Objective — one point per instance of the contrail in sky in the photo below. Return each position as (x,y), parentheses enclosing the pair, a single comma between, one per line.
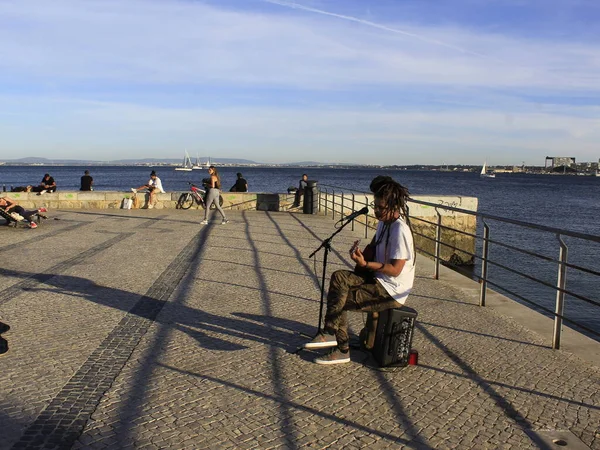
(376,25)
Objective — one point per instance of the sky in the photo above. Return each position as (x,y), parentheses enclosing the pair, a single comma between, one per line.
(276,81)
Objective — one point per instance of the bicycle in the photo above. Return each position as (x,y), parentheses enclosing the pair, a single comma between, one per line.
(197,195)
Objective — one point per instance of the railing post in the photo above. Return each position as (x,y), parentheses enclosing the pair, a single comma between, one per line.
(342,207)
(333,203)
(438,240)
(366,220)
(319,200)
(353,210)
(484,263)
(561,283)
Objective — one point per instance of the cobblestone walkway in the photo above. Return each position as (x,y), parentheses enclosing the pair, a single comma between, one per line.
(144,329)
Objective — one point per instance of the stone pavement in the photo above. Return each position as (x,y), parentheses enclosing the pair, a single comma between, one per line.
(144,329)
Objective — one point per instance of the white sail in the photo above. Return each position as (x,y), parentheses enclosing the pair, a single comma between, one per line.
(484,173)
(187,163)
(198,164)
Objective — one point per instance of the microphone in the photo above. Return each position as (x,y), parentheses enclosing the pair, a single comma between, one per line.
(355,214)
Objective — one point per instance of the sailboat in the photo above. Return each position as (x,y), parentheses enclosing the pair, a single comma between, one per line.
(198,165)
(187,164)
(484,173)
(208,163)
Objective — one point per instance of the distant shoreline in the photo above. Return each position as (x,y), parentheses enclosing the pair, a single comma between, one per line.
(503,170)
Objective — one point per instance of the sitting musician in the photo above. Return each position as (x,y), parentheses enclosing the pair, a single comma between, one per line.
(10,206)
(382,279)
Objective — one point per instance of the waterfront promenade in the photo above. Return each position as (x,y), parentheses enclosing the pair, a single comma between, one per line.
(144,329)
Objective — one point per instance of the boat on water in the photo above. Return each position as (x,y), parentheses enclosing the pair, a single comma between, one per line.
(187,164)
(484,173)
(198,165)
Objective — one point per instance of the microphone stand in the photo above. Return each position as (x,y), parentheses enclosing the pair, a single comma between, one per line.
(326,244)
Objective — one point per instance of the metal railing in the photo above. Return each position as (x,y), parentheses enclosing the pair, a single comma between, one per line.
(341,201)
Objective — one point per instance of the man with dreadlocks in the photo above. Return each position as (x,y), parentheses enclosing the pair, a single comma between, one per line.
(383,277)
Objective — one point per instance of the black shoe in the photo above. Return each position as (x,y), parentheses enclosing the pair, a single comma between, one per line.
(3,346)
(4,327)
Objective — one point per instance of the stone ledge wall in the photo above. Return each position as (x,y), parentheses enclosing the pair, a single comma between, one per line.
(112,200)
(282,202)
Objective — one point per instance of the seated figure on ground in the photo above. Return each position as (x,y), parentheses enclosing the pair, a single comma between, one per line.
(153,186)
(383,276)
(10,206)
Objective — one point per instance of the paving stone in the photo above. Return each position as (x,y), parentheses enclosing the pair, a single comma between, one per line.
(155,332)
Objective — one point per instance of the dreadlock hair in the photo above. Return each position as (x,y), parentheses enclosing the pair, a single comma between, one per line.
(378,182)
(395,197)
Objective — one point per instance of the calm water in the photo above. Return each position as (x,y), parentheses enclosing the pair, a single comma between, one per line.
(568,202)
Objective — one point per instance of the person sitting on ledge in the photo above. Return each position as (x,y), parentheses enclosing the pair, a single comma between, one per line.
(241,185)
(154,185)
(86,182)
(47,185)
(383,276)
(11,207)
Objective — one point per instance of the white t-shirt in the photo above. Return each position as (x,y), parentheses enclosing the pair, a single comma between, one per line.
(398,246)
(157,184)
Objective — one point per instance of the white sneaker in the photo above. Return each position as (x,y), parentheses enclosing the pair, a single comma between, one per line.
(224,221)
(204,222)
(150,206)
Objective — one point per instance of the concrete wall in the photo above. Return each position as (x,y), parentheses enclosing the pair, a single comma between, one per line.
(423,221)
(112,200)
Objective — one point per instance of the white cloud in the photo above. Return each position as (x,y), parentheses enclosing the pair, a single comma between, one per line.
(70,49)
(269,134)
(193,43)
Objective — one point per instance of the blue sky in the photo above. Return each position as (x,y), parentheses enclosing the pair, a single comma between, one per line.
(359,81)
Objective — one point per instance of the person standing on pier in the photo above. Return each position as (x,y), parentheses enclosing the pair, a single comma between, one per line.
(213,195)
(383,276)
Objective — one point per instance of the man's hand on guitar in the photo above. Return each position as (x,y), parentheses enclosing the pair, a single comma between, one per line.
(357,255)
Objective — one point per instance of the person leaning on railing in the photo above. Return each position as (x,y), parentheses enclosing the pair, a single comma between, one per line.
(300,192)
(382,279)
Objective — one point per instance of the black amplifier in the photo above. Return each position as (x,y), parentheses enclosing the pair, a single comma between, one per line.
(394,336)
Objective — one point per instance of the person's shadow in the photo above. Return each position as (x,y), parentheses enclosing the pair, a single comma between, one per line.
(198,324)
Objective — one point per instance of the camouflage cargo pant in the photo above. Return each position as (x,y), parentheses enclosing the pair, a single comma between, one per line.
(352,291)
